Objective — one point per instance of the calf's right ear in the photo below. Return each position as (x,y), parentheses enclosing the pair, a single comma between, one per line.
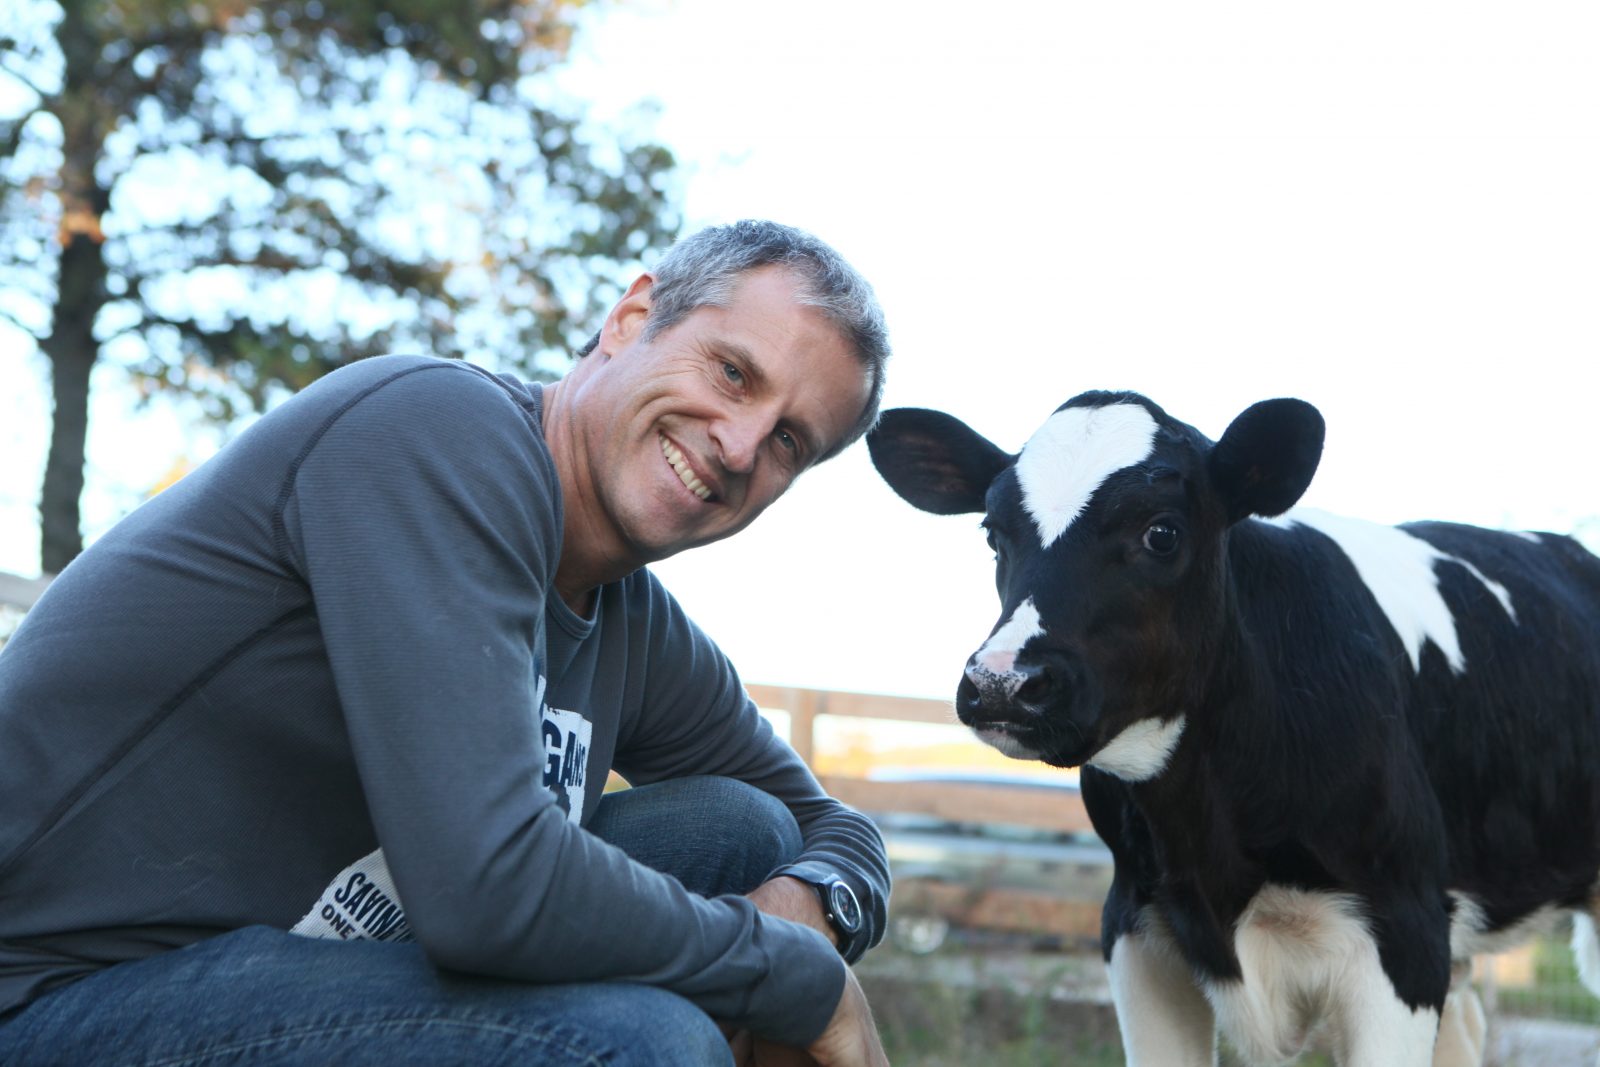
(935,461)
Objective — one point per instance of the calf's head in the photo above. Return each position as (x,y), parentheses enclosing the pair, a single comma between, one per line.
(1110,531)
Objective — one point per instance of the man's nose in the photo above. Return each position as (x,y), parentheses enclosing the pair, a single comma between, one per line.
(738,439)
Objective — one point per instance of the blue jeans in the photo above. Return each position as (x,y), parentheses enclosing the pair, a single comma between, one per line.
(264,996)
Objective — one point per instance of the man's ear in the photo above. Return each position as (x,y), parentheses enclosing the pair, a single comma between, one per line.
(935,461)
(626,321)
(1267,457)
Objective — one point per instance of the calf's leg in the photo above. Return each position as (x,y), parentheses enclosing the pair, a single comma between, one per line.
(1164,1018)
(1375,1025)
(1463,1030)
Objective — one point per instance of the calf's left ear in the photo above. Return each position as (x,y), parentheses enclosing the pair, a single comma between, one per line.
(1267,457)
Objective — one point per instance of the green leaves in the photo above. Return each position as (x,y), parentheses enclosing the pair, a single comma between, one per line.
(277,189)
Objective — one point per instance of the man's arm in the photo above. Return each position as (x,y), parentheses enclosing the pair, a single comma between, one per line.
(421,519)
(694,717)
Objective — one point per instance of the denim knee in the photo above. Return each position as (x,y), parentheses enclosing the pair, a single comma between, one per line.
(715,835)
(659,1028)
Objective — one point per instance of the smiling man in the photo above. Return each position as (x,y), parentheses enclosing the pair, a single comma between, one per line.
(304,760)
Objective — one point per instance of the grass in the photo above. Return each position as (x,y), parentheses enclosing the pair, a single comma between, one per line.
(931,1025)
(968,1004)
(1556,992)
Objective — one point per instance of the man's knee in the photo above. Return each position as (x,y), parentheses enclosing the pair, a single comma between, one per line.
(714,834)
(657,1027)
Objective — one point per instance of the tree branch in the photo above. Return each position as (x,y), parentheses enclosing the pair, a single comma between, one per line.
(21,77)
(182,39)
(18,323)
(13,137)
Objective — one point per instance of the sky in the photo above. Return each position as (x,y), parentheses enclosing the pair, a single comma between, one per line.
(1386,209)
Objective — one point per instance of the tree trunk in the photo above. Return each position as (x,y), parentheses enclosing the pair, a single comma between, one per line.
(72,350)
(80,292)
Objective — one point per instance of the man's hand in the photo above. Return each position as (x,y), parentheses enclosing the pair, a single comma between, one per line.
(790,898)
(850,1038)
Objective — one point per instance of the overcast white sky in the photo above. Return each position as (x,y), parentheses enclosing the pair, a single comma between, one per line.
(1388,209)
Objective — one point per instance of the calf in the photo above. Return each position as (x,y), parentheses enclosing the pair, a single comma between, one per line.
(1327,756)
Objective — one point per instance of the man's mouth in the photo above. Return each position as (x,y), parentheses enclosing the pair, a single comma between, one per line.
(685,473)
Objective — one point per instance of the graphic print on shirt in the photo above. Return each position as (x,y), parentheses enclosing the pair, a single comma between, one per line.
(358,904)
(361,901)
(566,736)
(566,758)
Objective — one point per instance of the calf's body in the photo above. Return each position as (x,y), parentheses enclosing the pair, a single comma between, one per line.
(1328,756)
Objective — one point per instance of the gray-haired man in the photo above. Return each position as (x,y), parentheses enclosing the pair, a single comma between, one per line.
(331,718)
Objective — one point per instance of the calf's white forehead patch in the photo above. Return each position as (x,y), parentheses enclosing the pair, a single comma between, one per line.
(1072,454)
(1399,570)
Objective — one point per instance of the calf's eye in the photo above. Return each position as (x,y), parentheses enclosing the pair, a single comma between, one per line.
(1161,539)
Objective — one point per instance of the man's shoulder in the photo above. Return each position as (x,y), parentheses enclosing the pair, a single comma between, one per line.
(385,402)
(427,374)
(651,609)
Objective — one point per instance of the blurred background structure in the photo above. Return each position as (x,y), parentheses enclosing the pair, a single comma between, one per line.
(1385,208)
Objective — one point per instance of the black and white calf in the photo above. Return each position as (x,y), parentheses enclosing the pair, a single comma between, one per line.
(1327,756)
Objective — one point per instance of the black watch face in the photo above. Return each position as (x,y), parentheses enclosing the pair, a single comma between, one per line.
(845,908)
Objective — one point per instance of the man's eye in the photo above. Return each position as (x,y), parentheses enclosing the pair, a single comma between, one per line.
(733,374)
(787,440)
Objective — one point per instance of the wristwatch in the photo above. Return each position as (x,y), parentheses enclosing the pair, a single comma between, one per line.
(839,906)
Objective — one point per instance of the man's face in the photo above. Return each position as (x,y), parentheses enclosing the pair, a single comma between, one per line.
(693,432)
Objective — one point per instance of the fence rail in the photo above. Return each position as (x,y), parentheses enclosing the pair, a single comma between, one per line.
(1069,910)
(19,592)
(954,801)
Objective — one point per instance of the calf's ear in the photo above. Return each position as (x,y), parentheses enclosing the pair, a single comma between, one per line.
(935,461)
(1267,457)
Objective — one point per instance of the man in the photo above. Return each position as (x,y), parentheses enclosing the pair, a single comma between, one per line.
(296,761)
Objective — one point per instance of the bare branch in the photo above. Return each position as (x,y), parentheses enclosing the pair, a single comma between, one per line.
(18,323)
(181,39)
(21,77)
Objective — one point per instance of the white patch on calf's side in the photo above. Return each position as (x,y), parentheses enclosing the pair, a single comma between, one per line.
(1069,457)
(1470,934)
(1586,951)
(1141,751)
(1501,593)
(1164,1018)
(1398,569)
(1306,956)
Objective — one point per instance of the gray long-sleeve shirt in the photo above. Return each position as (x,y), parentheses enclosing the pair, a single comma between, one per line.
(339,636)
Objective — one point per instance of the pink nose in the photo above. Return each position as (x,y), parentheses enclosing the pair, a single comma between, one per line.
(999,661)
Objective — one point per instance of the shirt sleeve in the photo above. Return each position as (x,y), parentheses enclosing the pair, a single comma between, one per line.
(698,719)
(425,519)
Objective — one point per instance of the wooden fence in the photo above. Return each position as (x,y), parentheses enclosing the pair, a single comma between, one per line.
(1069,911)
(18,592)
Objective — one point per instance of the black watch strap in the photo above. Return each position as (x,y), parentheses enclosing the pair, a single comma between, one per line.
(840,906)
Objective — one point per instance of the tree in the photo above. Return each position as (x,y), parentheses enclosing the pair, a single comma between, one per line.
(230,198)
